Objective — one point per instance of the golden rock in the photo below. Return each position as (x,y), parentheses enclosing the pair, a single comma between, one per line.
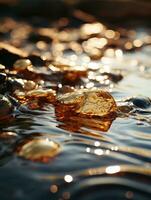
(39,150)
(92,103)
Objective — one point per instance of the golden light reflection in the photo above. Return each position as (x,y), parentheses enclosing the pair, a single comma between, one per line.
(68,178)
(94,28)
(41,45)
(97,143)
(88,149)
(137,43)
(114,148)
(54,188)
(129,195)
(109,52)
(113,169)
(110,34)
(119,53)
(98,152)
(107,152)
(66,195)
(128,45)
(90,85)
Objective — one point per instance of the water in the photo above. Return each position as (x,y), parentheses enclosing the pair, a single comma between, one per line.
(91,164)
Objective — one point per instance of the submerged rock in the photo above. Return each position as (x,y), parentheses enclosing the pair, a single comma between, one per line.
(40,150)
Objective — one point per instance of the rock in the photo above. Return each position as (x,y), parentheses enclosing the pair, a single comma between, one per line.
(37,93)
(9,54)
(5,135)
(3,77)
(6,107)
(141,102)
(29,85)
(92,103)
(39,150)
(13,84)
(22,64)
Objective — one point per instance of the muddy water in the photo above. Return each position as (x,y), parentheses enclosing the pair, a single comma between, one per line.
(89,163)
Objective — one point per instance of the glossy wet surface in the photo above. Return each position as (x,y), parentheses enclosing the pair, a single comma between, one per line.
(85,162)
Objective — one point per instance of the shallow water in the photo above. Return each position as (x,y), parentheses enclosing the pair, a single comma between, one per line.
(91,164)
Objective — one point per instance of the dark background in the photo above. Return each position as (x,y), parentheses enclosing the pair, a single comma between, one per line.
(107,9)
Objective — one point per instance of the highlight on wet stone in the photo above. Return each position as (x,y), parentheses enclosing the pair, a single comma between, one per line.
(38,150)
(6,107)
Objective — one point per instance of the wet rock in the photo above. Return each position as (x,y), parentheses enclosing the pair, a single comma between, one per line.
(39,150)
(2,68)
(125,109)
(9,54)
(13,84)
(92,103)
(94,54)
(29,85)
(2,78)
(6,107)
(36,99)
(37,93)
(5,135)
(113,77)
(22,64)
(141,102)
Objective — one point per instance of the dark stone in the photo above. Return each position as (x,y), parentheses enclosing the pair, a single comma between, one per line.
(141,102)
(13,84)
(5,106)
(2,78)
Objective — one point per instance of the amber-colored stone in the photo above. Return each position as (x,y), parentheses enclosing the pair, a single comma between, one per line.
(92,103)
(36,99)
(38,150)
